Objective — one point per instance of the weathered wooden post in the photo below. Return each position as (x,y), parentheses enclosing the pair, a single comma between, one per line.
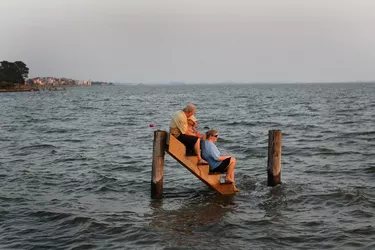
(160,139)
(274,157)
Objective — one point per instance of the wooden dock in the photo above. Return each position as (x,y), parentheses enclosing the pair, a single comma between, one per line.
(178,151)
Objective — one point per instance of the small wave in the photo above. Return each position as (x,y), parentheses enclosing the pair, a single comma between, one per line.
(73,140)
(126,157)
(337,198)
(258,152)
(74,220)
(316,151)
(59,131)
(102,179)
(359,213)
(370,169)
(81,246)
(361,133)
(70,159)
(114,124)
(367,230)
(108,188)
(309,108)
(287,151)
(304,127)
(250,124)
(50,216)
(5,139)
(87,108)
(14,199)
(332,152)
(38,146)
(132,162)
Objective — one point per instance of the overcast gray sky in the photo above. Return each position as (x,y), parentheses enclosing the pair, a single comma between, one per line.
(192,40)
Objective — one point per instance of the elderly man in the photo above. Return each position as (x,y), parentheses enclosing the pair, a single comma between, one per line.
(179,129)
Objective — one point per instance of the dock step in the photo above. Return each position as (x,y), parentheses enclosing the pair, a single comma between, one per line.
(178,151)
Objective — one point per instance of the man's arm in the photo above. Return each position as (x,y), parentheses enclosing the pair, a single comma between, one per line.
(189,133)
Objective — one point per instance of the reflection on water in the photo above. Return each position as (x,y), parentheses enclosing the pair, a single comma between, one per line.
(188,220)
(275,202)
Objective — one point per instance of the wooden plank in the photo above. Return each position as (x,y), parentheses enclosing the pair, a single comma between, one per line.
(178,151)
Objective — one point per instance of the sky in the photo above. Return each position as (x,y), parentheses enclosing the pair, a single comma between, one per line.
(192,41)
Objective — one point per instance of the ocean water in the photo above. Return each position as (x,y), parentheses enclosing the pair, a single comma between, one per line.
(75,168)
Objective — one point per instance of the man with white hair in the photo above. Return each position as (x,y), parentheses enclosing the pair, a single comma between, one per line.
(179,129)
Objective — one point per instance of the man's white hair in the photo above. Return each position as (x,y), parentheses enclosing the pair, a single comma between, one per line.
(189,108)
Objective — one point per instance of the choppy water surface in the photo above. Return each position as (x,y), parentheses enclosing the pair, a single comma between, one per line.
(75,169)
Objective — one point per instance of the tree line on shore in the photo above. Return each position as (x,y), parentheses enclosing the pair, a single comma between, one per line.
(12,73)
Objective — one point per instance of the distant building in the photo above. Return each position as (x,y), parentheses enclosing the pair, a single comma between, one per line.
(53,81)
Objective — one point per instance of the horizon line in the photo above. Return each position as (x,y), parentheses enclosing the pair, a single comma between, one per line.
(243,83)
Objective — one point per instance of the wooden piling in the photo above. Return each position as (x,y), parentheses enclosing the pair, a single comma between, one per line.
(160,138)
(274,157)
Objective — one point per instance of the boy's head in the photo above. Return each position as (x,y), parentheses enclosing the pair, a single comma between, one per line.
(192,120)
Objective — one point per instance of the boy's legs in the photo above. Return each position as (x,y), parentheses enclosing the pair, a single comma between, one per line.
(230,170)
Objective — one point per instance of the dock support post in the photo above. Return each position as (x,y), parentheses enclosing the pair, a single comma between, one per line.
(274,157)
(157,174)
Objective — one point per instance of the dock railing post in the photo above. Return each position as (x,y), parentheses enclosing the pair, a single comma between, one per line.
(274,157)
(157,174)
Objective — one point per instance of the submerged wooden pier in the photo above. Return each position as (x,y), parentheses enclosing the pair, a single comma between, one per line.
(177,150)
(169,144)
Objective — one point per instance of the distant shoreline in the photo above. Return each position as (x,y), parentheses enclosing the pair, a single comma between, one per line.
(32,89)
(242,83)
(21,89)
